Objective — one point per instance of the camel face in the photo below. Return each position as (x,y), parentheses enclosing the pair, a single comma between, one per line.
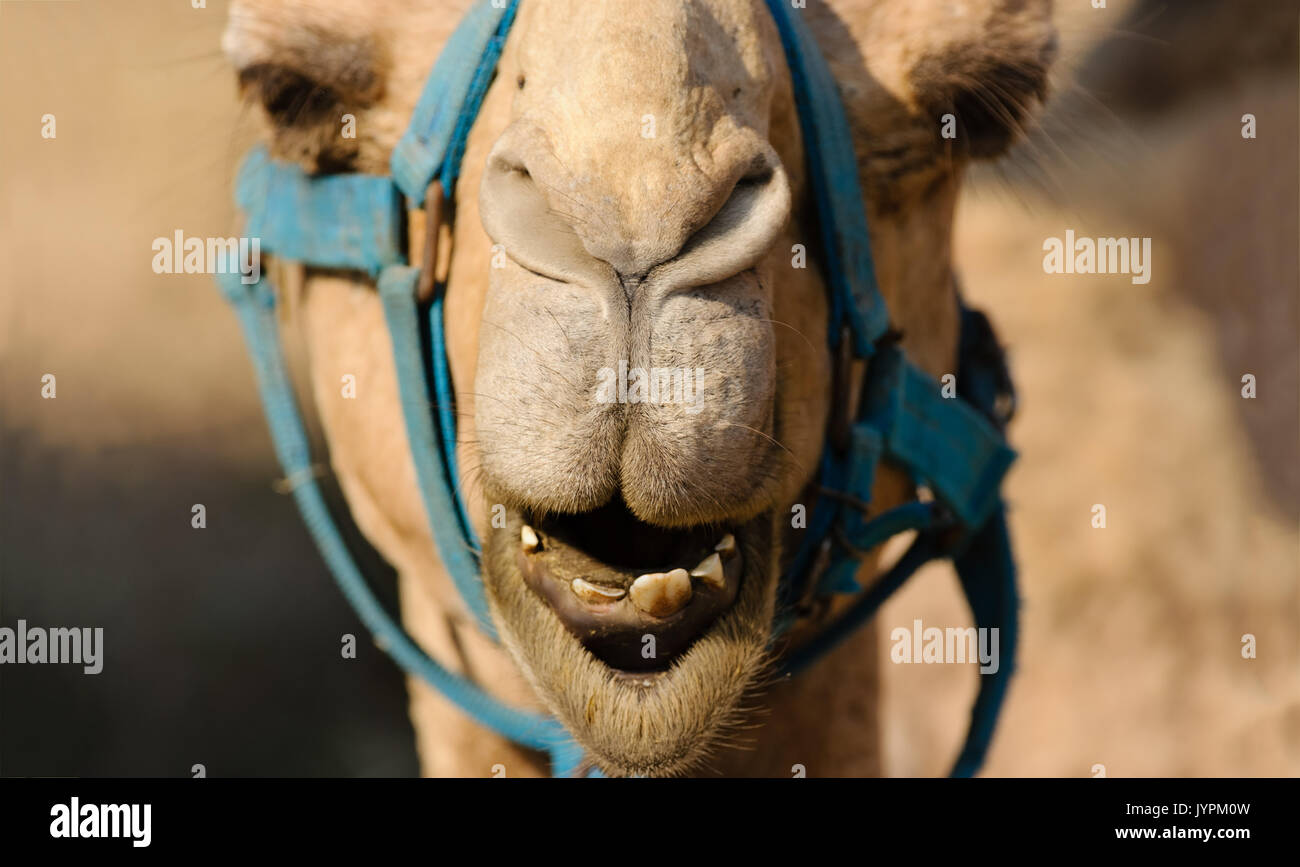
(636,322)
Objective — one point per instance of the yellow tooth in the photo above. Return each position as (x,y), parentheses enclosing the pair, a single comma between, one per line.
(710,571)
(726,545)
(596,594)
(528,536)
(660,594)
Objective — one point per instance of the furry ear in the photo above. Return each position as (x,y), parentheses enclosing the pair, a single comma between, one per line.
(968,84)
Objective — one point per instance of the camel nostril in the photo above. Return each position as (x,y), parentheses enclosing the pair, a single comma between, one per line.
(595,228)
(742,231)
(517,211)
(757,177)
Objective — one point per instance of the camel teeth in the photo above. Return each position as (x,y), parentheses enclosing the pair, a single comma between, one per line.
(660,594)
(528,537)
(710,571)
(596,594)
(726,545)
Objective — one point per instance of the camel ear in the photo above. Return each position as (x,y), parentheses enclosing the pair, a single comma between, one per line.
(974,80)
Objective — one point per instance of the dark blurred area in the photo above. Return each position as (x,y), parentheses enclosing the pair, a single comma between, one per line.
(222,645)
(1168,50)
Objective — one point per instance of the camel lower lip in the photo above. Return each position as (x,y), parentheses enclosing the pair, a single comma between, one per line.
(631,622)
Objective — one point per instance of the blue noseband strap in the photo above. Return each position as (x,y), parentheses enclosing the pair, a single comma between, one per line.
(952,445)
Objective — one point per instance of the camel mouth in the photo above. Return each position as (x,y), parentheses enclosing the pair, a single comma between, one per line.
(643,694)
(635,595)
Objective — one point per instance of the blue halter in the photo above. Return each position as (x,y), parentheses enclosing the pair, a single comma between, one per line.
(952,447)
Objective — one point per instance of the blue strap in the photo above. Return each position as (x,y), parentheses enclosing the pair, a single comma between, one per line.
(865,448)
(833,173)
(987,570)
(255,305)
(923,550)
(843,570)
(435,138)
(900,519)
(444,404)
(952,445)
(436,480)
(333,221)
(944,442)
(987,573)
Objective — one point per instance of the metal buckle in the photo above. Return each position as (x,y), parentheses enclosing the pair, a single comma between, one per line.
(433,199)
(809,606)
(840,428)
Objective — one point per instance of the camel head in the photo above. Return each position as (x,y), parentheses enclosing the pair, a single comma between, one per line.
(635,313)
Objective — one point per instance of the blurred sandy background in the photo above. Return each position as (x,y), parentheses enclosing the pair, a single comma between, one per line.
(222,644)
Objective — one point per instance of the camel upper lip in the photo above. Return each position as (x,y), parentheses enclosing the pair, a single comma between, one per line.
(635,596)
